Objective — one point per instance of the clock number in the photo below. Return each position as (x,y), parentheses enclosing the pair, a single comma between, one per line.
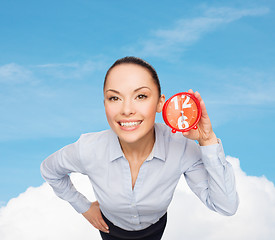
(185,103)
(182,124)
(175,100)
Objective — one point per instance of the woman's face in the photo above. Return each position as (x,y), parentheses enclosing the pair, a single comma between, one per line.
(131,100)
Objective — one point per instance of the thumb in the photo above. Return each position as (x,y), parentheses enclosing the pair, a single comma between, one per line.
(185,134)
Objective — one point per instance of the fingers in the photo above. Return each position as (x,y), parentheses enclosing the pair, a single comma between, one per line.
(205,135)
(190,91)
(100,224)
(94,216)
(196,94)
(203,109)
(104,225)
(186,134)
(191,134)
(202,104)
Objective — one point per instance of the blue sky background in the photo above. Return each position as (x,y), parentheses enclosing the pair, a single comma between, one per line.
(54,55)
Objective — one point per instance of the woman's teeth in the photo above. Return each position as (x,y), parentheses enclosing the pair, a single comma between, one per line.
(129,124)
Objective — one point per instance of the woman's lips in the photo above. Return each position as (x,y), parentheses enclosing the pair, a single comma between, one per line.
(129,123)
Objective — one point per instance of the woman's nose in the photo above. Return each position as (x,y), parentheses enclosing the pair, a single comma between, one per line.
(127,108)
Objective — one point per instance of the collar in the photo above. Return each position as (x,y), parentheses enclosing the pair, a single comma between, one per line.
(159,146)
(115,150)
(158,151)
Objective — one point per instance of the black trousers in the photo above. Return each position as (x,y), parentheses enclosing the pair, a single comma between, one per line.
(153,232)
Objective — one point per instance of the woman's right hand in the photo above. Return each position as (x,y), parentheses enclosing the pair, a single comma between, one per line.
(94,216)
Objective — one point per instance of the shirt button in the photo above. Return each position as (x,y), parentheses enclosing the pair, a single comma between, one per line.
(135,216)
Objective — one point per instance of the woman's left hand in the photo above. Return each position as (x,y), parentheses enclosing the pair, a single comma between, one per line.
(204,134)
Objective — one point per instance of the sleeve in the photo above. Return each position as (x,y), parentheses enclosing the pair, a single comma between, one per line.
(212,178)
(56,169)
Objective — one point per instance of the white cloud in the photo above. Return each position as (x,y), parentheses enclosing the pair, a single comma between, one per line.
(15,74)
(72,70)
(39,214)
(187,31)
(238,86)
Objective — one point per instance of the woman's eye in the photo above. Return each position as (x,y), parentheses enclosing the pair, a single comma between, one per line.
(113,99)
(141,96)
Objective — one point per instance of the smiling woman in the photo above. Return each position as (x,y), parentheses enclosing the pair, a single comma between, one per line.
(135,166)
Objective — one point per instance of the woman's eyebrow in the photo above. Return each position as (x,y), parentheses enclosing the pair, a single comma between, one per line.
(112,90)
(136,90)
(142,88)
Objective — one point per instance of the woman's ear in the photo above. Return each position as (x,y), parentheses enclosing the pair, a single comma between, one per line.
(161,103)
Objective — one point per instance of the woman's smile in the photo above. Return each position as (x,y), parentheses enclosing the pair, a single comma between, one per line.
(129,123)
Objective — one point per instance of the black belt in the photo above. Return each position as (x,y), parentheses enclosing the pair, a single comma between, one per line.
(120,233)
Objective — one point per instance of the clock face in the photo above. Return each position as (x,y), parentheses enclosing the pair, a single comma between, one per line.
(182,112)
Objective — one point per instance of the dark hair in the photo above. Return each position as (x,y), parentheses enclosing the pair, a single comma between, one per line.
(137,61)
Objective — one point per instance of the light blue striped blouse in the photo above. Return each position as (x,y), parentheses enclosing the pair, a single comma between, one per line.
(99,156)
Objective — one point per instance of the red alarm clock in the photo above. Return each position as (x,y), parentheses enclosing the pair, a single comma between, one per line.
(182,112)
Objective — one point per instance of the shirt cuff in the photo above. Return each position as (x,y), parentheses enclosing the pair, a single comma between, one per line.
(81,206)
(213,155)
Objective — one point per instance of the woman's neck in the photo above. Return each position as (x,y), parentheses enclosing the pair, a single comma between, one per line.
(140,150)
